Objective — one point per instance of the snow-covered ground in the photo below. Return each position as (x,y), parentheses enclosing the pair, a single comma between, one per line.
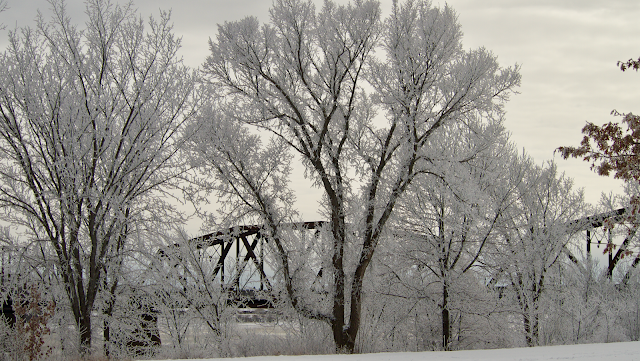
(622,351)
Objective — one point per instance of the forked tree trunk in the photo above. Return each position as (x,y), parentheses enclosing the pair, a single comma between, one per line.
(531,326)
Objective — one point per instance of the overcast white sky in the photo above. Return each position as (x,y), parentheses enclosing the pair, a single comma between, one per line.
(568,50)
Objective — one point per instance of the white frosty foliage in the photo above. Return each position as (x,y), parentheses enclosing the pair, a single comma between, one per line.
(91,121)
(310,79)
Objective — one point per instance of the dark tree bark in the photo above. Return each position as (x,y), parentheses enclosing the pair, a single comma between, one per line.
(301,78)
(90,123)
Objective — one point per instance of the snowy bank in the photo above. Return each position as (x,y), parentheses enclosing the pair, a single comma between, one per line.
(620,351)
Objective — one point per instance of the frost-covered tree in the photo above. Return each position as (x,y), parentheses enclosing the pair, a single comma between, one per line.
(534,234)
(182,276)
(90,123)
(312,80)
(446,222)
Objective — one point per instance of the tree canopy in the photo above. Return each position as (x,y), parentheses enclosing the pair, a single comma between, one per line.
(90,123)
(362,101)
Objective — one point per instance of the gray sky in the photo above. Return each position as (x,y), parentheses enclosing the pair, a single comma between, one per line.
(568,50)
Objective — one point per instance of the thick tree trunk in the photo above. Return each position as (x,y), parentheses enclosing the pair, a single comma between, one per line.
(446,327)
(531,327)
(106,328)
(85,332)
(344,345)
(340,335)
(82,306)
(527,329)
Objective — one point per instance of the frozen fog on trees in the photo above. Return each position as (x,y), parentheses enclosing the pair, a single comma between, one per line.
(534,234)
(445,222)
(361,101)
(430,213)
(91,122)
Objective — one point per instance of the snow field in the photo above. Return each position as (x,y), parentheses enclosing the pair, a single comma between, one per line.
(620,351)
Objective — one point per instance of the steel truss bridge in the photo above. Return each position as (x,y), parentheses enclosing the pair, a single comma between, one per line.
(239,252)
(589,226)
(242,248)
(247,245)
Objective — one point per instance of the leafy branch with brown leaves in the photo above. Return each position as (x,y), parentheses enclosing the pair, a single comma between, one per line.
(629,64)
(610,148)
(34,314)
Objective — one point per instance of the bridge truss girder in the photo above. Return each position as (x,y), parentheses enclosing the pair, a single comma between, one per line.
(250,245)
